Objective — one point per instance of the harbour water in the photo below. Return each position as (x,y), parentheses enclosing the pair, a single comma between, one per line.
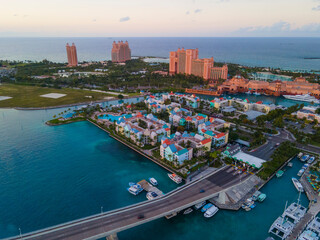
(50,175)
(285,53)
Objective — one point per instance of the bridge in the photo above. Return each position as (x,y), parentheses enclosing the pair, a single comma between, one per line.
(105,224)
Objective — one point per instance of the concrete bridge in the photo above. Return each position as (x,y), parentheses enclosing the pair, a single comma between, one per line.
(108,223)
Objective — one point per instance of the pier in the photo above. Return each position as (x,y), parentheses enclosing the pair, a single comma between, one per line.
(149,188)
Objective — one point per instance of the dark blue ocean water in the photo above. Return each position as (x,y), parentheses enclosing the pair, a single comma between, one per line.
(50,175)
(286,53)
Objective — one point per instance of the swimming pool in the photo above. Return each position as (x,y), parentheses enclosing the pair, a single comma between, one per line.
(266,75)
(114,118)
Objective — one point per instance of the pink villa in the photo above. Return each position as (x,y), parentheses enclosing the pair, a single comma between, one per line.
(72,55)
(188,62)
(120,52)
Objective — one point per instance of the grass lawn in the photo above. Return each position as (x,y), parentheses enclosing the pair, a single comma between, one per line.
(29,96)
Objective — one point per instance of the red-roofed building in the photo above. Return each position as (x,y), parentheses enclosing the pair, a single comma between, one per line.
(129,106)
(259,102)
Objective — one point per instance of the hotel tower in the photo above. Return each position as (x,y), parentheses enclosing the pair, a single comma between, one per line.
(120,52)
(72,55)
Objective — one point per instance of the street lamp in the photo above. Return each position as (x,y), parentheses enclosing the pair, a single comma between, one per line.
(101,209)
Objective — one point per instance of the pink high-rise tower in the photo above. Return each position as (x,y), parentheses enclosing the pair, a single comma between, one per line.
(72,55)
(120,52)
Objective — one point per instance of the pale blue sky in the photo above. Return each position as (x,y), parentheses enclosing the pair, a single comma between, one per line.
(160,18)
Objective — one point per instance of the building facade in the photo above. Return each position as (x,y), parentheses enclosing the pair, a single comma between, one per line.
(120,52)
(186,61)
(72,55)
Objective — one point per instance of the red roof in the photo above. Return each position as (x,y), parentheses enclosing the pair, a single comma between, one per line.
(151,96)
(205,141)
(129,106)
(213,101)
(171,93)
(221,98)
(193,95)
(211,119)
(167,141)
(167,129)
(188,119)
(259,102)
(199,118)
(202,130)
(220,135)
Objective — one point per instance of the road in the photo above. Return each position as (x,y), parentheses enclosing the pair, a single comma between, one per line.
(104,224)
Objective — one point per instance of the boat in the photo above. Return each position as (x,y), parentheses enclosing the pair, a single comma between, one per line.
(152,195)
(248,92)
(311,159)
(206,207)
(298,185)
(199,205)
(257,94)
(135,189)
(248,204)
(153,181)
(300,172)
(302,98)
(279,173)
(175,178)
(304,158)
(187,211)
(308,235)
(211,211)
(312,231)
(256,195)
(300,154)
(305,166)
(262,197)
(290,164)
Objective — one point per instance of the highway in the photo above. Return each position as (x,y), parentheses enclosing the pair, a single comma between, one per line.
(104,224)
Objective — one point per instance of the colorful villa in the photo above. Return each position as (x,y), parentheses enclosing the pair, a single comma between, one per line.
(120,52)
(300,85)
(309,113)
(186,61)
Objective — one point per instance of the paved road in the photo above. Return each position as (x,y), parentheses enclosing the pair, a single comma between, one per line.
(99,226)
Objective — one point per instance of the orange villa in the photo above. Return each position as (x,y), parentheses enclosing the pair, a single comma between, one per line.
(188,62)
(300,85)
(72,55)
(120,52)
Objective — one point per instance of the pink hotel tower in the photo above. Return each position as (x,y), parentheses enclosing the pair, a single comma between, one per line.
(120,52)
(72,55)
(188,62)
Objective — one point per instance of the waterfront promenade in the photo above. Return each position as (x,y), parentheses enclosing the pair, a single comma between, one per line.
(104,224)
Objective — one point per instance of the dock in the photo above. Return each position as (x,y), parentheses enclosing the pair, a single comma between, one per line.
(150,188)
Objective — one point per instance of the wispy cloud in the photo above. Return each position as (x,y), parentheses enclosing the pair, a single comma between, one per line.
(187,12)
(124,19)
(317,8)
(198,10)
(94,20)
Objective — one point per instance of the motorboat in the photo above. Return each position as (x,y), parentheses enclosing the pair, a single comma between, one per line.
(199,205)
(187,211)
(257,94)
(153,181)
(305,166)
(302,98)
(248,92)
(256,195)
(152,195)
(279,173)
(301,171)
(290,164)
(206,207)
(135,189)
(300,154)
(304,158)
(297,185)
(175,178)
(262,197)
(211,212)
(311,159)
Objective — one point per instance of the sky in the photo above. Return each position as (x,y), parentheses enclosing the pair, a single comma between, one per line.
(160,18)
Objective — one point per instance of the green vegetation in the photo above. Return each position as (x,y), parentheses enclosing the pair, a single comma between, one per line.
(60,122)
(285,151)
(29,96)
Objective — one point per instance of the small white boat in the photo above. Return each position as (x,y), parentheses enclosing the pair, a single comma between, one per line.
(304,158)
(305,166)
(153,181)
(152,195)
(257,94)
(300,154)
(311,159)
(290,164)
(199,205)
(175,178)
(206,207)
(187,211)
(300,172)
(248,92)
(135,189)
(211,212)
(298,185)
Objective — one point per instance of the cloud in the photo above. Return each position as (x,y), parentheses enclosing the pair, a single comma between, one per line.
(15,15)
(124,19)
(187,12)
(316,8)
(94,20)
(198,10)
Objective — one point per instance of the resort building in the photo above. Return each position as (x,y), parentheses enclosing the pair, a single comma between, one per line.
(120,52)
(186,61)
(72,55)
(300,85)
(309,113)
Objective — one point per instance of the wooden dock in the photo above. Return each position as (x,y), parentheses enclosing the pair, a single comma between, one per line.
(150,188)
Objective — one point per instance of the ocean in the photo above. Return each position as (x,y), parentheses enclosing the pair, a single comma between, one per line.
(301,54)
(50,175)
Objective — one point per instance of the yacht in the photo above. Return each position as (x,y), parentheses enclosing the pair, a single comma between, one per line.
(199,205)
(312,231)
(256,195)
(300,154)
(305,158)
(135,189)
(153,181)
(187,211)
(311,159)
(152,195)
(302,98)
(257,94)
(305,166)
(211,211)
(262,197)
(298,185)
(248,92)
(308,235)
(206,207)
(300,172)
(175,178)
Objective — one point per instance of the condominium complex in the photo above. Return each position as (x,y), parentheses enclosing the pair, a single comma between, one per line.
(120,52)
(186,61)
(72,55)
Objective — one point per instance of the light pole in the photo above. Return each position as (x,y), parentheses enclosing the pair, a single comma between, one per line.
(20,233)
(101,209)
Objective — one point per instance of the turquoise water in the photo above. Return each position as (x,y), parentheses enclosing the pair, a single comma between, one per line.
(50,175)
(114,118)
(266,76)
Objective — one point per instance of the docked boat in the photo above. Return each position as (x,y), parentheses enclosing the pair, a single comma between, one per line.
(256,195)
(248,204)
(311,159)
(301,171)
(199,205)
(300,154)
(248,92)
(308,235)
(206,207)
(153,181)
(290,164)
(302,98)
(257,94)
(135,188)
(175,178)
(152,195)
(304,158)
(312,231)
(279,173)
(187,211)
(262,197)
(305,166)
(211,212)
(297,185)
